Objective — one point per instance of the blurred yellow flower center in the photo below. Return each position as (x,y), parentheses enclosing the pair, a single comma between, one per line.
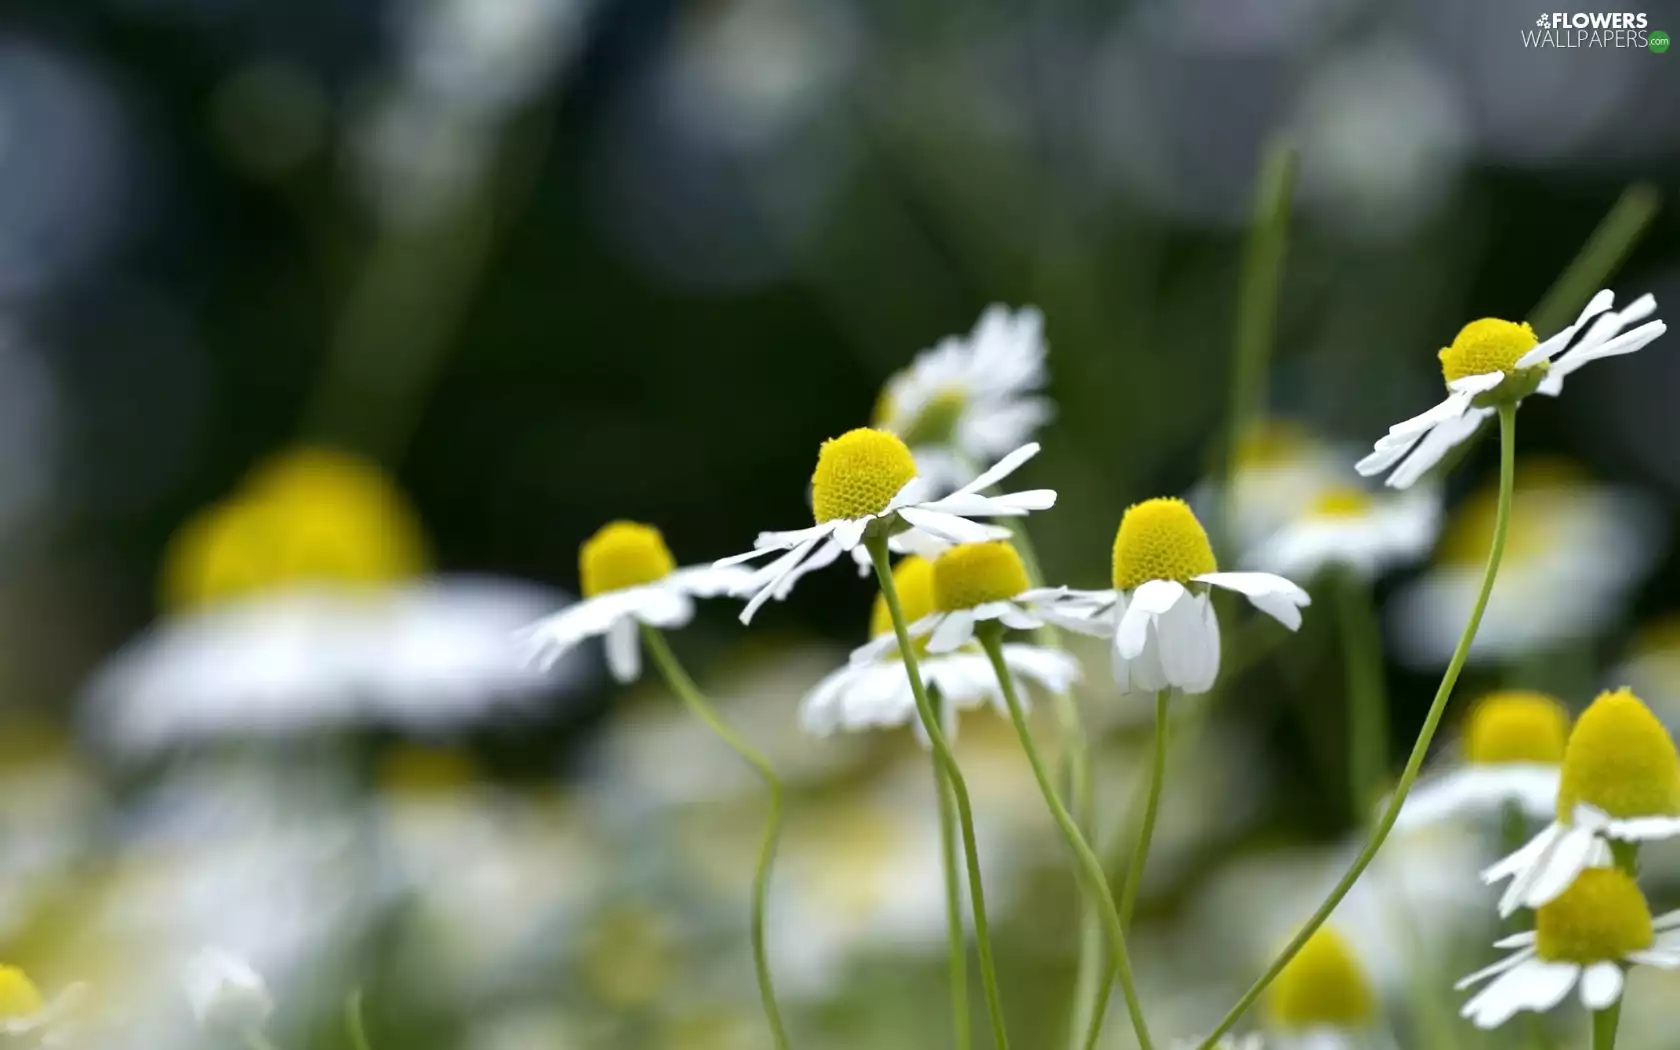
(1488,345)
(1341,501)
(18,995)
(936,423)
(623,554)
(858,474)
(1547,494)
(419,772)
(976,573)
(913,579)
(1324,985)
(1620,759)
(1601,917)
(1516,726)
(1273,443)
(1160,539)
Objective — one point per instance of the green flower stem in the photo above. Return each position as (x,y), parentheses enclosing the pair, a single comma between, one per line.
(353,1022)
(1367,698)
(1096,880)
(877,547)
(1603,253)
(1437,708)
(1140,854)
(1604,1023)
(956,936)
(684,687)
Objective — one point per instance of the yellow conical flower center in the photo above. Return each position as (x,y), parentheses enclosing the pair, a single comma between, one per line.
(1323,985)
(1601,917)
(1160,539)
(1488,345)
(623,554)
(1341,501)
(913,579)
(18,995)
(976,573)
(1620,759)
(858,474)
(1516,726)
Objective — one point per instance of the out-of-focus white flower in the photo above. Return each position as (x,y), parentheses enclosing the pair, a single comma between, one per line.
(1351,529)
(1651,668)
(1282,468)
(1572,552)
(227,996)
(1323,999)
(1513,755)
(971,398)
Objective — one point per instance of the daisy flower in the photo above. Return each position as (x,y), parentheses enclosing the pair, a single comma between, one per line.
(1345,527)
(227,996)
(1513,754)
(1620,782)
(874,691)
(1586,936)
(1493,362)
(866,484)
(1573,551)
(1323,999)
(971,398)
(1282,467)
(628,579)
(1165,632)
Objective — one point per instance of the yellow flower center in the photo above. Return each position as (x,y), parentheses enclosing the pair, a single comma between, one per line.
(1488,345)
(1160,539)
(1601,917)
(1323,985)
(623,554)
(1341,501)
(1620,759)
(18,995)
(858,474)
(1273,443)
(913,579)
(976,573)
(936,423)
(419,772)
(1516,726)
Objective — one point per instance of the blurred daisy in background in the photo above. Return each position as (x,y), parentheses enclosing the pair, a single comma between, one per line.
(1512,756)
(873,690)
(228,997)
(299,605)
(1573,552)
(1323,999)
(1491,362)
(1345,527)
(29,1018)
(1651,668)
(628,579)
(972,398)
(1587,936)
(1282,467)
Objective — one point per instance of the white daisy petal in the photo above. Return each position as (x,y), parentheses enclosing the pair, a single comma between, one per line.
(1571,855)
(624,650)
(1436,444)
(1509,962)
(1626,343)
(1535,985)
(955,630)
(1601,985)
(1659,957)
(1148,601)
(1001,469)
(1643,829)
(1476,384)
(772,575)
(948,527)
(1273,595)
(1517,940)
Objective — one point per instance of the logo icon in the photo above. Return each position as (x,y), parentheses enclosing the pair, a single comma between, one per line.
(1544,21)
(1658,41)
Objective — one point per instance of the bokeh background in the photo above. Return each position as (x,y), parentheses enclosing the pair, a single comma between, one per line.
(545,263)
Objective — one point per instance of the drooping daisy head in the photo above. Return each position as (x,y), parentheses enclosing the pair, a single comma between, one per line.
(1620,760)
(1160,539)
(1587,935)
(622,554)
(1323,987)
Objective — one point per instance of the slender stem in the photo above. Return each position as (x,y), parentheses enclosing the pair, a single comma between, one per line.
(353,1022)
(877,547)
(1095,879)
(956,936)
(1140,854)
(1609,244)
(1437,708)
(684,687)
(1604,1023)
(1257,296)
(1367,697)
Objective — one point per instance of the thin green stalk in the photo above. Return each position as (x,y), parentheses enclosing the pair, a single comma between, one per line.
(1604,1023)
(1257,298)
(1603,253)
(684,687)
(956,938)
(353,1022)
(877,547)
(1096,880)
(1437,708)
(1140,854)
(1367,695)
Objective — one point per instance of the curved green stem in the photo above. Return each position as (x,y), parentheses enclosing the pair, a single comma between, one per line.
(684,687)
(956,938)
(1367,700)
(1134,868)
(353,1022)
(1096,880)
(1437,708)
(877,547)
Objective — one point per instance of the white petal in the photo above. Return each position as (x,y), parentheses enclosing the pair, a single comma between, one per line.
(1016,618)
(955,630)
(1002,468)
(1601,985)
(1626,343)
(1549,347)
(772,575)
(1451,408)
(1385,456)
(1480,383)
(1188,640)
(1643,829)
(1668,920)
(849,531)
(709,581)
(1555,873)
(1517,940)
(1272,595)
(1053,670)
(1510,962)
(1661,958)
(1523,857)
(948,527)
(1535,985)
(1148,601)
(1436,444)
(624,652)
